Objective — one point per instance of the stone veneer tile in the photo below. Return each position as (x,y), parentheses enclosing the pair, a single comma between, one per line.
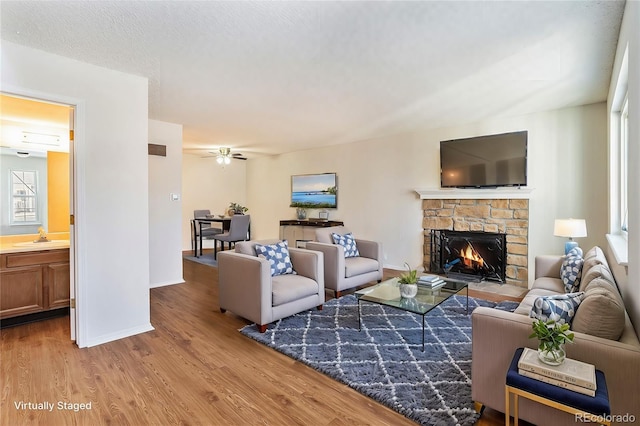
(431,204)
(472,211)
(502,213)
(519,204)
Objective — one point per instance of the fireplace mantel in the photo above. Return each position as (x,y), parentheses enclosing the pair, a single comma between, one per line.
(503,193)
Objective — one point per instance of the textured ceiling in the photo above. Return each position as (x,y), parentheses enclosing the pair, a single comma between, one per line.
(273,77)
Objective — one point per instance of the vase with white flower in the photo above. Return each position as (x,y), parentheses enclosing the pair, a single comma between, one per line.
(552,336)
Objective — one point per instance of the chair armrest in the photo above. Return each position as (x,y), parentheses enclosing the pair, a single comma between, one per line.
(244,285)
(308,263)
(370,249)
(334,267)
(548,266)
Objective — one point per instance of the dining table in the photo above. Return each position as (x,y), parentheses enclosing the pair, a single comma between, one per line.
(197,224)
(196,227)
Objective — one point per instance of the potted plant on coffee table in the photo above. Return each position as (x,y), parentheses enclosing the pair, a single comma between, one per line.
(552,337)
(408,283)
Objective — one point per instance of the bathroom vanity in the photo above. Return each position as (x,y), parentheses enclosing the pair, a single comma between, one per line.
(34,279)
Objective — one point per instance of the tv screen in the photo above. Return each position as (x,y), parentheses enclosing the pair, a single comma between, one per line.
(318,191)
(484,161)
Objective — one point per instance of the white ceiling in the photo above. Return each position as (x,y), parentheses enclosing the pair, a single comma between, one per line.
(273,77)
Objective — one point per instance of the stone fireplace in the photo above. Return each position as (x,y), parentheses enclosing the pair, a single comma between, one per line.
(508,216)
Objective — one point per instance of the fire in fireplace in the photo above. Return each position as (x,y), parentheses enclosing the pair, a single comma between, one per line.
(475,256)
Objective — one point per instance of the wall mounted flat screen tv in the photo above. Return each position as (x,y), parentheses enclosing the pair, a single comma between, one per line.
(316,191)
(484,161)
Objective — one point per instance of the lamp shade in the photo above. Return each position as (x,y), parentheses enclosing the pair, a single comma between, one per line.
(571,228)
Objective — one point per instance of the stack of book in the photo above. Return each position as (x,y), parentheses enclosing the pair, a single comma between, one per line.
(572,375)
(431,281)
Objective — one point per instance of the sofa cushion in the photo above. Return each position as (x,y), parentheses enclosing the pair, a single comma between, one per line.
(601,312)
(595,256)
(560,307)
(527,302)
(547,283)
(359,265)
(596,271)
(571,269)
(278,257)
(348,242)
(288,288)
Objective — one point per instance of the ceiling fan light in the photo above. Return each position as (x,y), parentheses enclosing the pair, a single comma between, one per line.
(227,160)
(220,159)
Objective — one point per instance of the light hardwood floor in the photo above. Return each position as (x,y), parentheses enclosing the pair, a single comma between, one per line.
(195,368)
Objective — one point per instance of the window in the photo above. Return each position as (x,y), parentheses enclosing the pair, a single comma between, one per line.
(624,175)
(619,163)
(24,197)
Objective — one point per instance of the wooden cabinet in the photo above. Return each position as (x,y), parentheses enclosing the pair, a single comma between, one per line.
(58,282)
(32,282)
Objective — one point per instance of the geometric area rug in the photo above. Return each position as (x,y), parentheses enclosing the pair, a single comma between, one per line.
(385,360)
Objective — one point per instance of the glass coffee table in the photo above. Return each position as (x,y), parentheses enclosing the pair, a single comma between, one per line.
(387,293)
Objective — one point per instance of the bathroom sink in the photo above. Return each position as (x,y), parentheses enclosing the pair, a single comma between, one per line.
(48,244)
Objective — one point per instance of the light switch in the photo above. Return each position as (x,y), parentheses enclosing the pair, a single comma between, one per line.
(175,197)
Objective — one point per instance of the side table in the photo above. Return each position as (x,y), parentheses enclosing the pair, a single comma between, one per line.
(590,408)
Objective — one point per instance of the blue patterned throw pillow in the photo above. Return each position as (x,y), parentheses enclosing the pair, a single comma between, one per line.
(348,242)
(571,270)
(278,257)
(561,308)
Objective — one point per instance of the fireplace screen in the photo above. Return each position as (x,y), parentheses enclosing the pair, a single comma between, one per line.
(468,255)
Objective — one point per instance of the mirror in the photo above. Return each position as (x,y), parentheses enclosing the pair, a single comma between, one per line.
(34,166)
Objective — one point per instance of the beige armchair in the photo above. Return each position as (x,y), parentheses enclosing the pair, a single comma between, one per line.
(342,273)
(248,289)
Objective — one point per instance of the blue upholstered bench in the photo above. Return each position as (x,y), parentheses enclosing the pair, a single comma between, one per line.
(591,408)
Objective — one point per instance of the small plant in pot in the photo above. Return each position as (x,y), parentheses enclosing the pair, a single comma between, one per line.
(235,208)
(552,337)
(408,282)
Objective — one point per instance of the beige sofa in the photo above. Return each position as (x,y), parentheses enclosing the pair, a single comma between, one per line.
(604,337)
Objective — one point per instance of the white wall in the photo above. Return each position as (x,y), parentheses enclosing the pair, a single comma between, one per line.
(377,179)
(630,37)
(208,185)
(165,224)
(112,211)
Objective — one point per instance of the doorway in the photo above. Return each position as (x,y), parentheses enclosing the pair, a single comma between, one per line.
(37,167)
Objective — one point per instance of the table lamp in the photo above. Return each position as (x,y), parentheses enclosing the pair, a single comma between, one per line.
(570,228)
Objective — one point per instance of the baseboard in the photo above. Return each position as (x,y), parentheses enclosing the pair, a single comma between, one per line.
(166,283)
(106,338)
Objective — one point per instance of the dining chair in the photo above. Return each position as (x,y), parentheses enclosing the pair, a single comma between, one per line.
(207,230)
(238,231)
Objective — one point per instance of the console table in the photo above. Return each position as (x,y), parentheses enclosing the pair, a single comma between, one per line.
(303,230)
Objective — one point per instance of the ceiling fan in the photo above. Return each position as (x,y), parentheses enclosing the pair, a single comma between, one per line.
(224,155)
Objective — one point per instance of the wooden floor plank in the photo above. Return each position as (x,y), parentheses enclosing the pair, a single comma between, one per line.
(194,368)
